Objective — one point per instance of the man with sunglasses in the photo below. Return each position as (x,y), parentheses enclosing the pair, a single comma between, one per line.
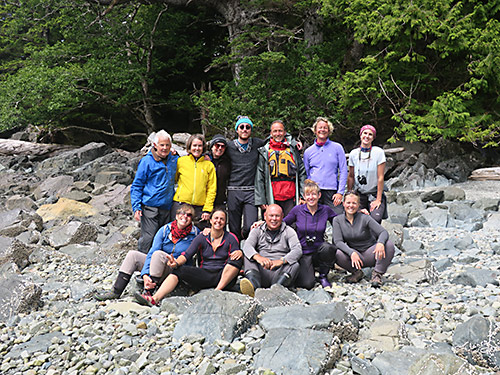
(240,189)
(222,164)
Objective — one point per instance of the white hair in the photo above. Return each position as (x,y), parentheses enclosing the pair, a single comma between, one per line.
(161,134)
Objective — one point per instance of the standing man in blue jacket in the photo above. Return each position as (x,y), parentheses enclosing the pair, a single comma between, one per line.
(152,191)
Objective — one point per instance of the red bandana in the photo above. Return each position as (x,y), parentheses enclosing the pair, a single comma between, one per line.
(177,233)
(277,145)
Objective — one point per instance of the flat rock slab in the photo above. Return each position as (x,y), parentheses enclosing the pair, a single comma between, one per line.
(275,296)
(64,208)
(71,233)
(476,276)
(36,344)
(17,295)
(417,271)
(297,351)
(218,315)
(319,316)
(441,364)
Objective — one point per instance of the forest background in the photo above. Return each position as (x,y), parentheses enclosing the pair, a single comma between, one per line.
(417,70)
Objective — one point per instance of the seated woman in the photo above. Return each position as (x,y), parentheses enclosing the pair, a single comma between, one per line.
(196,181)
(361,242)
(366,174)
(220,260)
(310,220)
(169,242)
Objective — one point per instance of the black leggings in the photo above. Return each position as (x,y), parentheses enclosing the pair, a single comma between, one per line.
(202,278)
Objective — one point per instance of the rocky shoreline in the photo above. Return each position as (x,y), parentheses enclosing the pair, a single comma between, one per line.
(66,225)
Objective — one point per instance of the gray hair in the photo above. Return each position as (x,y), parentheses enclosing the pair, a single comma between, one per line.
(161,134)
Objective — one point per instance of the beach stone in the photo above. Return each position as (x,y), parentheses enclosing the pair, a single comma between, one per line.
(435,217)
(176,305)
(85,254)
(464,212)
(64,209)
(441,364)
(315,296)
(16,221)
(53,186)
(39,343)
(398,362)
(115,197)
(443,264)
(486,204)
(445,247)
(433,195)
(71,233)
(21,202)
(297,351)
(492,223)
(276,295)
(77,195)
(218,316)
(362,367)
(385,335)
(398,214)
(476,276)
(322,316)
(453,193)
(417,271)
(478,341)
(395,232)
(18,295)
(411,247)
(17,252)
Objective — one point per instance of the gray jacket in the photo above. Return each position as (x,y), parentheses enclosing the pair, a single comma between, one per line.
(263,186)
(286,244)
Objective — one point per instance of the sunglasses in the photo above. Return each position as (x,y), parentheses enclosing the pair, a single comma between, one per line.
(245,127)
(220,145)
(182,213)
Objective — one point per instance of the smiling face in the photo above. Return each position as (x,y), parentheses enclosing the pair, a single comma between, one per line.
(312,197)
(184,217)
(366,138)
(244,131)
(196,148)
(322,131)
(273,216)
(218,220)
(278,132)
(162,147)
(218,150)
(351,204)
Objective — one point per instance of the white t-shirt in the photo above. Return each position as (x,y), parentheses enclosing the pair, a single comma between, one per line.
(365,164)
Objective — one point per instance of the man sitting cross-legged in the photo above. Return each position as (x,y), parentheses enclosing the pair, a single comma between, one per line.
(272,251)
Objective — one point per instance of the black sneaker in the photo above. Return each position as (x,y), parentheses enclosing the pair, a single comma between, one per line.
(106,296)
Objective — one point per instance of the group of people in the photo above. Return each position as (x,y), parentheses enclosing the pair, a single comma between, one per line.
(298,197)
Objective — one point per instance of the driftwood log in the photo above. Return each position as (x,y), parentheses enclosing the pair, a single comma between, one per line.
(485,174)
(15,147)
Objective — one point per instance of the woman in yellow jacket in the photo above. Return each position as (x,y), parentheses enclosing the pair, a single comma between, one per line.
(196,181)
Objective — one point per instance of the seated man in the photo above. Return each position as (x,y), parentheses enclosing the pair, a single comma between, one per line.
(220,260)
(272,251)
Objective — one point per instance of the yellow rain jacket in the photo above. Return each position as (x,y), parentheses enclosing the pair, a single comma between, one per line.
(196,182)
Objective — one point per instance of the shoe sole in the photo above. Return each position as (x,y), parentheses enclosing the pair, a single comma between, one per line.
(142,301)
(246,287)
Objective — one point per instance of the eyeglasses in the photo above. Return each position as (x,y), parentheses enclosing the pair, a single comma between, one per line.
(219,145)
(182,213)
(245,127)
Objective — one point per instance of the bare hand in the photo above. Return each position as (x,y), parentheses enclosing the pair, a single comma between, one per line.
(206,157)
(173,151)
(235,255)
(375,204)
(337,199)
(302,201)
(206,231)
(379,251)
(364,211)
(137,215)
(263,207)
(171,261)
(356,261)
(148,282)
(205,216)
(256,224)
(299,145)
(277,263)
(263,261)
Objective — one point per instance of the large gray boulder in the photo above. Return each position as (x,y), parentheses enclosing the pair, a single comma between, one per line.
(478,341)
(71,233)
(16,252)
(276,295)
(53,187)
(297,351)
(17,295)
(476,276)
(218,316)
(16,221)
(333,316)
(441,364)
(415,270)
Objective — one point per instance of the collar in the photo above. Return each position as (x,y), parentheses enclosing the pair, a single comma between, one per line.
(366,149)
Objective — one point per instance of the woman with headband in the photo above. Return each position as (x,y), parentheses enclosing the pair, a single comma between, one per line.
(366,174)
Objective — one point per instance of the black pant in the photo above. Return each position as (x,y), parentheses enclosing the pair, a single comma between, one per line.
(241,204)
(152,219)
(323,258)
(326,198)
(378,214)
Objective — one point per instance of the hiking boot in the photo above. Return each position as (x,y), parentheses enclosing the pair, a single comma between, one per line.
(376,279)
(284,280)
(323,280)
(145,299)
(246,287)
(104,296)
(354,277)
